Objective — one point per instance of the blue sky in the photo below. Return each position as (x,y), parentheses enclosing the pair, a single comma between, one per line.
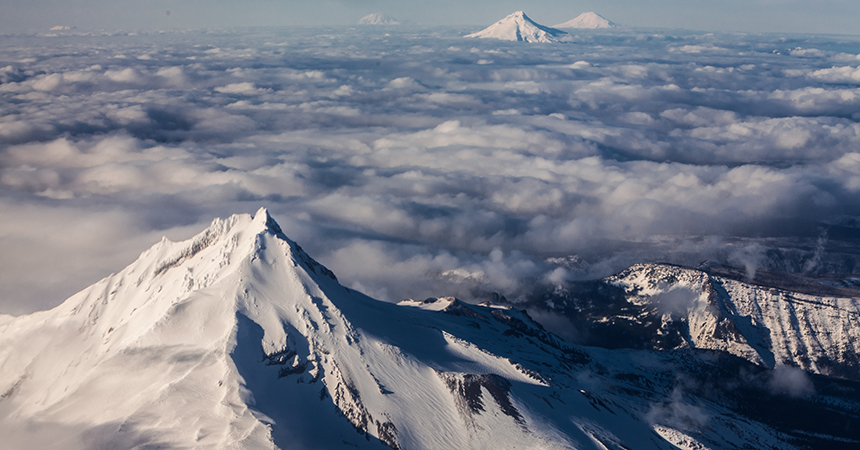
(785,16)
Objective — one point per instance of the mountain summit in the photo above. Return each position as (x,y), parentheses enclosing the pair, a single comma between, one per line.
(238,339)
(587,20)
(519,27)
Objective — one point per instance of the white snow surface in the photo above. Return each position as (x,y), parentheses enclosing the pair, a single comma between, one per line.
(378,19)
(237,339)
(588,20)
(519,27)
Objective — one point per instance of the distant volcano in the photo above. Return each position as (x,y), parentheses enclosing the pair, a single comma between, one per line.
(588,20)
(378,19)
(519,27)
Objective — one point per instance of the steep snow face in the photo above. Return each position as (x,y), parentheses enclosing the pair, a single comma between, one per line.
(587,20)
(519,27)
(377,19)
(237,339)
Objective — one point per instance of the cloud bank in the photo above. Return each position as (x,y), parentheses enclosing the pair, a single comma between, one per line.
(419,163)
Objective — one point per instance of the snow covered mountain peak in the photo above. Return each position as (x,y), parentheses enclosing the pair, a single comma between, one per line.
(159,339)
(519,27)
(237,339)
(239,236)
(587,20)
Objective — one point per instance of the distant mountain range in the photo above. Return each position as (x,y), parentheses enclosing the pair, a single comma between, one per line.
(238,339)
(519,27)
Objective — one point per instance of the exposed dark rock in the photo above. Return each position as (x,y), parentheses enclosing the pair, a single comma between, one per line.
(468,394)
(387,433)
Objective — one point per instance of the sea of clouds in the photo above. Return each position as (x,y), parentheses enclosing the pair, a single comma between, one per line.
(416,162)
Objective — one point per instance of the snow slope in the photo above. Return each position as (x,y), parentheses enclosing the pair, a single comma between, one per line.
(519,27)
(587,20)
(237,339)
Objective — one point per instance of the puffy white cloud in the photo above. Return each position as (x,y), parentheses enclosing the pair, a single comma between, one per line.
(412,166)
(807,52)
(841,74)
(698,48)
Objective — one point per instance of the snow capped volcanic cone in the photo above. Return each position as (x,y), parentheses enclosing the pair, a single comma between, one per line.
(378,19)
(588,20)
(519,27)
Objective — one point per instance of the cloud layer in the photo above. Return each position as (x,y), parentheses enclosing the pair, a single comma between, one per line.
(422,163)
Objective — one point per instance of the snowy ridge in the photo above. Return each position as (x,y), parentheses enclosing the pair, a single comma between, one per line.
(587,20)
(237,339)
(519,27)
(663,307)
(767,326)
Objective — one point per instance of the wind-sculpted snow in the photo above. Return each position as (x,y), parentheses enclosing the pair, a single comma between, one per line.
(416,163)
